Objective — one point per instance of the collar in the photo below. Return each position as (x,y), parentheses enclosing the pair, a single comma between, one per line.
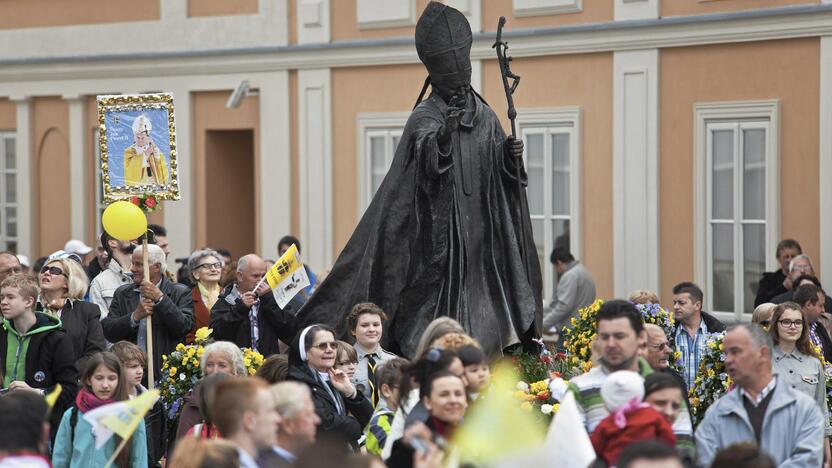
(779,354)
(283,453)
(644,368)
(116,268)
(246,460)
(570,266)
(158,285)
(702,327)
(363,352)
(763,393)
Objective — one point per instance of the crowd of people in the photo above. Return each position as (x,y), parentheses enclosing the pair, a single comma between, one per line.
(320,401)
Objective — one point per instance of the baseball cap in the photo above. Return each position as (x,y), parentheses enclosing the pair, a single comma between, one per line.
(77,247)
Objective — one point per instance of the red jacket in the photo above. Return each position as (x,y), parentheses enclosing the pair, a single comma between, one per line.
(642,424)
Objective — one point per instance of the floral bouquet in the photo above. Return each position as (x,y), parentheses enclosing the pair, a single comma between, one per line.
(181,372)
(146,202)
(827,372)
(542,384)
(712,380)
(578,339)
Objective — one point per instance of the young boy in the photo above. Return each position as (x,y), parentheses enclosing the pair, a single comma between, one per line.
(35,354)
(388,376)
(366,321)
(133,361)
(476,370)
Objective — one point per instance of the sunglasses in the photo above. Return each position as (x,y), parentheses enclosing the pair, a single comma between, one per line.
(52,270)
(326,345)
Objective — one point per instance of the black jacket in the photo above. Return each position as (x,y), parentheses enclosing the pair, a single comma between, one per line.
(771,285)
(82,323)
(231,322)
(49,360)
(343,427)
(713,323)
(173,317)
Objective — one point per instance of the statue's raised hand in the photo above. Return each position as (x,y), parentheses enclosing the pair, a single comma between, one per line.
(453,114)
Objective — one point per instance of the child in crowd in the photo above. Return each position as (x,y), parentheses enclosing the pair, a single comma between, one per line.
(35,353)
(630,419)
(388,376)
(133,361)
(346,359)
(477,372)
(366,324)
(102,383)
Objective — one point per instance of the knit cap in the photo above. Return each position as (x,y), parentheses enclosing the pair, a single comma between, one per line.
(620,388)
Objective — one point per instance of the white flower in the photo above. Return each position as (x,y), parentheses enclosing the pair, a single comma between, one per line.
(546,409)
(558,388)
(522,386)
(182,376)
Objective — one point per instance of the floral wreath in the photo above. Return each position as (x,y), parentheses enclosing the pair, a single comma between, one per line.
(712,380)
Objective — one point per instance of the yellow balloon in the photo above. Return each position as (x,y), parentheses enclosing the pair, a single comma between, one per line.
(124,221)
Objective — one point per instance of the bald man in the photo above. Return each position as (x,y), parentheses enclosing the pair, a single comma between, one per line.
(250,317)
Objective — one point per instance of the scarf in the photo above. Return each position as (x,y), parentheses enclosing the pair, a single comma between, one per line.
(620,415)
(86,401)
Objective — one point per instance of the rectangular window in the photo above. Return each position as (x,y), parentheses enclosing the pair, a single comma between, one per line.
(737,212)
(378,138)
(548,158)
(8,191)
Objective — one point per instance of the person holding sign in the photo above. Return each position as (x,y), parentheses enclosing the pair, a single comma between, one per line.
(144,163)
(170,305)
(248,315)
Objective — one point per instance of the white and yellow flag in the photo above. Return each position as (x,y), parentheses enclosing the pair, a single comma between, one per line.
(120,418)
(287,277)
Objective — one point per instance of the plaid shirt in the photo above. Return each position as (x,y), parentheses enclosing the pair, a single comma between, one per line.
(692,350)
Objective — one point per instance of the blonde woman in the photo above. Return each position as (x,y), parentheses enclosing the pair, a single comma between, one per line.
(63,283)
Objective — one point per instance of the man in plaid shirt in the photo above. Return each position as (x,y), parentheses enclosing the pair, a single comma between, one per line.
(692,328)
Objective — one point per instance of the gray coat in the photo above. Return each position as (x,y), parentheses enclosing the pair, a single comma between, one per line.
(576,290)
(792,428)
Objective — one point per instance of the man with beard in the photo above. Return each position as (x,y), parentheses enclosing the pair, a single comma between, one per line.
(620,335)
(117,273)
(446,233)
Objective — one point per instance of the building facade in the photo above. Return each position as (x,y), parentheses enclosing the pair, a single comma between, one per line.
(667,140)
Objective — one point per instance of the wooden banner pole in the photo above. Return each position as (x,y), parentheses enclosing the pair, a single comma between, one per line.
(151,383)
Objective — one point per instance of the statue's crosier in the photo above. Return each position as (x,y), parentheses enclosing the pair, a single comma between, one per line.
(442,235)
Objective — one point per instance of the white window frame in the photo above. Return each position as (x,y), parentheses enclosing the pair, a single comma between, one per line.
(386,124)
(736,115)
(4,219)
(557,120)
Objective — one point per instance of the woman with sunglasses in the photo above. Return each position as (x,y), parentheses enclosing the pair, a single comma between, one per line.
(343,410)
(794,358)
(63,283)
(205,267)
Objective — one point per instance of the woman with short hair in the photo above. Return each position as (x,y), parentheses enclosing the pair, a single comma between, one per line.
(205,267)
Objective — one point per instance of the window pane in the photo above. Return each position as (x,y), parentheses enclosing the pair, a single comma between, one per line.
(11,222)
(11,160)
(754,256)
(560,233)
(723,174)
(754,173)
(723,267)
(539,240)
(11,188)
(534,169)
(11,246)
(377,161)
(560,174)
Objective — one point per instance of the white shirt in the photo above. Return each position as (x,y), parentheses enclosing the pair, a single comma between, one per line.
(104,285)
(246,461)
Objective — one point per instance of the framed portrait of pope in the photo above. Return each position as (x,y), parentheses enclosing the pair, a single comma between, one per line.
(137,139)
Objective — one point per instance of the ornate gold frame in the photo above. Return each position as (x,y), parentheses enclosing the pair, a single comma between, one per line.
(137,102)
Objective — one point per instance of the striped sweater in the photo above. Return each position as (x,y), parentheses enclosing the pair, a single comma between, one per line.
(587,390)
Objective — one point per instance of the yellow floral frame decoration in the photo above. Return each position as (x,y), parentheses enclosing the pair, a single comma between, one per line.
(137,139)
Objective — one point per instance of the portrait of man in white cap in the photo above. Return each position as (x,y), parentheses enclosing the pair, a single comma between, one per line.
(144,163)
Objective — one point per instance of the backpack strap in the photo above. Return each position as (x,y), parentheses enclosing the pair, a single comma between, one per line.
(73,420)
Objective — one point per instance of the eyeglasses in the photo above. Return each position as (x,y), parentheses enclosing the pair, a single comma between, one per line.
(658,346)
(210,266)
(6,271)
(54,271)
(786,323)
(326,345)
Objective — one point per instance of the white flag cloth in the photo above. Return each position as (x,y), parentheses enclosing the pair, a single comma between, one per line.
(567,444)
(101,432)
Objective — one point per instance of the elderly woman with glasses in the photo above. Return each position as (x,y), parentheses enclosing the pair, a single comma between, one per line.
(344,411)
(205,267)
(794,358)
(63,283)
